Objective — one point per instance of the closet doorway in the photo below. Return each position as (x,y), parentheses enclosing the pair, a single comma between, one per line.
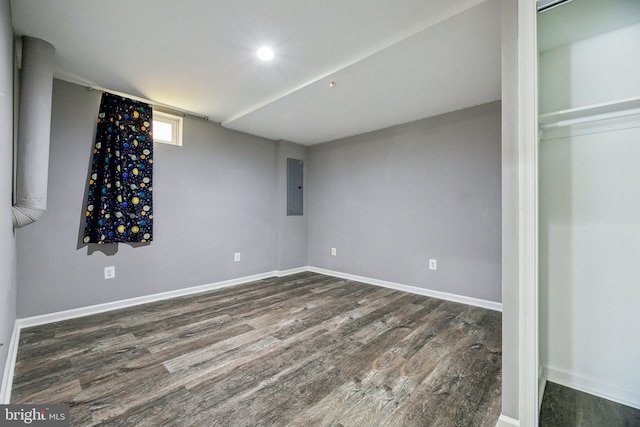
(589,205)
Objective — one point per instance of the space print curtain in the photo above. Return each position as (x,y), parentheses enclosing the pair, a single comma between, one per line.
(119,202)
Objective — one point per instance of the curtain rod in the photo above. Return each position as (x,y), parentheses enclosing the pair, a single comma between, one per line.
(149,101)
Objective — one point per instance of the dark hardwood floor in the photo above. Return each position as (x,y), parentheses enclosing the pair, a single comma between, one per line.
(302,350)
(565,407)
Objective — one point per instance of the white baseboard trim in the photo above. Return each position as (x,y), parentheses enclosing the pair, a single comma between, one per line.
(504,421)
(10,366)
(491,305)
(291,271)
(596,387)
(7,380)
(115,305)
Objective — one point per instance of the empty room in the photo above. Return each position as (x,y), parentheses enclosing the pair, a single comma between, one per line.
(288,213)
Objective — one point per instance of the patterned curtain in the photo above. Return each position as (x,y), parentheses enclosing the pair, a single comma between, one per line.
(119,203)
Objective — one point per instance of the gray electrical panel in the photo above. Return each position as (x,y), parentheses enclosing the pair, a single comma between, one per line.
(294,186)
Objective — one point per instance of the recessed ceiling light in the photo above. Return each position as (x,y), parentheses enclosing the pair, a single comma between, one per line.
(265,53)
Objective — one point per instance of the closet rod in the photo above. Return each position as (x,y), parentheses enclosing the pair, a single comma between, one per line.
(544,5)
(591,119)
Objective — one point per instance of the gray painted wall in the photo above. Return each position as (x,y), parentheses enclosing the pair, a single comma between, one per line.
(7,241)
(212,197)
(510,210)
(292,230)
(390,200)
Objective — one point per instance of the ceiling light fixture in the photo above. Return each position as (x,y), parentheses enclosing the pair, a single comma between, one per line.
(265,53)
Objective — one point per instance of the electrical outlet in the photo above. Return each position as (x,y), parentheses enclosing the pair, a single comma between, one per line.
(236,257)
(333,252)
(433,264)
(109,272)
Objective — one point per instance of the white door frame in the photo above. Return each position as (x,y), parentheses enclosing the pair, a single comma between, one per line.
(528,215)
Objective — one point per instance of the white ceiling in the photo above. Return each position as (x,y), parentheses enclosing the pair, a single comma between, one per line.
(392,61)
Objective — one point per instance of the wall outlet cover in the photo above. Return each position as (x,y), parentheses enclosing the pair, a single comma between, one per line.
(433,264)
(109,272)
(333,252)
(236,257)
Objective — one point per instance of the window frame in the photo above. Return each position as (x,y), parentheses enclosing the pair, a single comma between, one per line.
(176,123)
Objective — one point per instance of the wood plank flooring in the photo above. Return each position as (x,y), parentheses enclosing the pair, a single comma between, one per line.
(302,350)
(566,407)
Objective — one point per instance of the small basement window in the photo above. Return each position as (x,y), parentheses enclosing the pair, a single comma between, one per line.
(167,128)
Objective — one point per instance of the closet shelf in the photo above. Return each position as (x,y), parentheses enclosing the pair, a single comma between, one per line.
(590,113)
